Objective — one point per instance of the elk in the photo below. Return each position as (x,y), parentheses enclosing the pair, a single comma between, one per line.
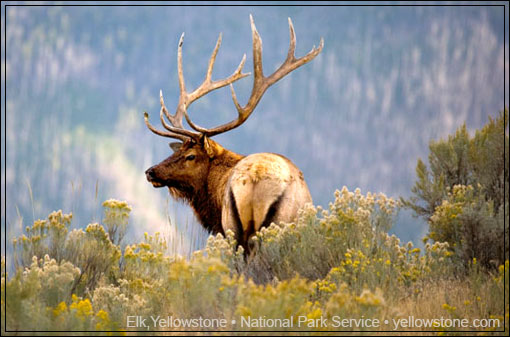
(228,191)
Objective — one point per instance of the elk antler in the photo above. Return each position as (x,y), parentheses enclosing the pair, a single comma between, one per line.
(260,85)
(176,130)
(260,82)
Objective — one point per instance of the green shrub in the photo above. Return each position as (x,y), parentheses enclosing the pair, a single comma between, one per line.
(462,195)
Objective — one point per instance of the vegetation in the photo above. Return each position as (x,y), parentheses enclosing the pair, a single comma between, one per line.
(330,263)
(332,269)
(462,195)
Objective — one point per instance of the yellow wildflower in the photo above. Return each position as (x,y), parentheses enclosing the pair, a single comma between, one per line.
(104,320)
(82,309)
(315,314)
(61,308)
(448,307)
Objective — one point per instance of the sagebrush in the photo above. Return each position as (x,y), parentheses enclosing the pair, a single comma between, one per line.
(330,263)
(462,192)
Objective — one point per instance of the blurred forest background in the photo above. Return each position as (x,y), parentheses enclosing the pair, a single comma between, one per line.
(388,81)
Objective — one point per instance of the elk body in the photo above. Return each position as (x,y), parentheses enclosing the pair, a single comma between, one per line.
(228,191)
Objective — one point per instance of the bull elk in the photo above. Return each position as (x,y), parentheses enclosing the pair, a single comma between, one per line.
(227,190)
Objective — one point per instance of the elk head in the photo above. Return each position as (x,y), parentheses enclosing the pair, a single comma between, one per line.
(200,169)
(185,172)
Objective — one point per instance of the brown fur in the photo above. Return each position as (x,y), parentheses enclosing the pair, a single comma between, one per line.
(204,185)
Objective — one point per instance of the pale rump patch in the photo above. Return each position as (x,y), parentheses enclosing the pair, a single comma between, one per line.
(256,183)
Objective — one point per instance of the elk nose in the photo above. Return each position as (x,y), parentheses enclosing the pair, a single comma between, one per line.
(149,174)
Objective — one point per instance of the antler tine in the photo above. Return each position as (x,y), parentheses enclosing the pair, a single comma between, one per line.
(291,63)
(292,44)
(162,133)
(176,119)
(176,122)
(213,59)
(176,128)
(182,87)
(260,82)
(213,86)
(208,85)
(176,131)
(257,52)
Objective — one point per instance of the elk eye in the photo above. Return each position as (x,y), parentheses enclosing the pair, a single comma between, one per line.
(190,157)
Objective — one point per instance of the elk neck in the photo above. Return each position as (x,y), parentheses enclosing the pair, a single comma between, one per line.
(207,202)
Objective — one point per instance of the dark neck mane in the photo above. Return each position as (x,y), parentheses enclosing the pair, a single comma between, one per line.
(207,201)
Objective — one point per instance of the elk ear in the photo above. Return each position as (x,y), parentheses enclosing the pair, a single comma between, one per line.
(211,147)
(176,146)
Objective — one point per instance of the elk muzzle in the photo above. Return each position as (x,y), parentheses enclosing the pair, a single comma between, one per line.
(150,174)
